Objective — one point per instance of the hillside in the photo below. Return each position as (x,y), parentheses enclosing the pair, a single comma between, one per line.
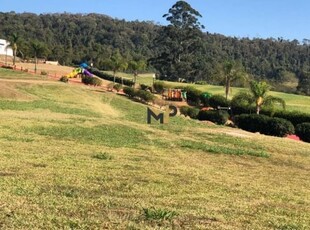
(78,157)
(72,38)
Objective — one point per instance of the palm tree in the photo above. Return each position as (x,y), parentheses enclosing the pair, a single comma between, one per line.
(232,72)
(37,49)
(15,39)
(258,96)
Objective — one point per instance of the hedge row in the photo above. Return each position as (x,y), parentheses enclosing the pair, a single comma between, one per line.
(140,94)
(303,131)
(189,112)
(109,77)
(217,116)
(265,125)
(292,116)
(91,81)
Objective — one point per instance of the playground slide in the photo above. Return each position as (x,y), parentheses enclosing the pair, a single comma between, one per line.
(79,71)
(74,72)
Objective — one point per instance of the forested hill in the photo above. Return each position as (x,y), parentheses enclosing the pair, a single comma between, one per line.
(71,38)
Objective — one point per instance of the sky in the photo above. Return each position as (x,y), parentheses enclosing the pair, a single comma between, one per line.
(287,19)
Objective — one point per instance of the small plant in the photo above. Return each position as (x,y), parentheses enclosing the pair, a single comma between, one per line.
(158,214)
(102,156)
(43,72)
(64,79)
(87,80)
(145,96)
(129,91)
(117,87)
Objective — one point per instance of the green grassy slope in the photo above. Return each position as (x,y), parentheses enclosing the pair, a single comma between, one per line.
(76,157)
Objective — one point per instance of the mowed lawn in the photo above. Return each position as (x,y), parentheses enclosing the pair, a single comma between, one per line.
(77,157)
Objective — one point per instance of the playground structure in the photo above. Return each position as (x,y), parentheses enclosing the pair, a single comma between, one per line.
(82,70)
(174,94)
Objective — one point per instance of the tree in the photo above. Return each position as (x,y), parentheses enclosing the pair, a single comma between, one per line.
(136,67)
(258,96)
(232,71)
(15,39)
(117,63)
(179,45)
(37,49)
(304,83)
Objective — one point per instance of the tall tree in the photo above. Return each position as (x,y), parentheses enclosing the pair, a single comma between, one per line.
(232,71)
(117,63)
(14,39)
(136,67)
(180,43)
(37,49)
(304,83)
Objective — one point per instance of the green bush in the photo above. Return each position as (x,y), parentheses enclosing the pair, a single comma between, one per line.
(303,131)
(279,127)
(251,122)
(193,95)
(87,80)
(204,98)
(43,72)
(145,95)
(117,87)
(159,86)
(292,116)
(189,112)
(217,116)
(129,91)
(218,100)
(64,79)
(264,124)
(184,110)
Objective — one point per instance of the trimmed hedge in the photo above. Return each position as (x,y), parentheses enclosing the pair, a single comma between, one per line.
(217,116)
(109,77)
(292,116)
(189,111)
(265,125)
(218,100)
(91,81)
(193,95)
(159,86)
(145,95)
(129,91)
(303,131)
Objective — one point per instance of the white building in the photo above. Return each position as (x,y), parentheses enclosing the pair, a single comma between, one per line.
(5,49)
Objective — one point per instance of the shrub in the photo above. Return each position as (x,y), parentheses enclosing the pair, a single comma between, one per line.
(184,110)
(7,67)
(193,95)
(64,79)
(217,116)
(145,96)
(87,80)
(278,127)
(129,91)
(145,87)
(303,131)
(204,98)
(264,124)
(159,86)
(292,116)
(43,72)
(218,100)
(117,87)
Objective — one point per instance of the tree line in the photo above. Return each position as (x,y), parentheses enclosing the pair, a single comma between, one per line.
(195,56)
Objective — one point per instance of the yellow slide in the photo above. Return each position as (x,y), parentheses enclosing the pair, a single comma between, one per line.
(74,72)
